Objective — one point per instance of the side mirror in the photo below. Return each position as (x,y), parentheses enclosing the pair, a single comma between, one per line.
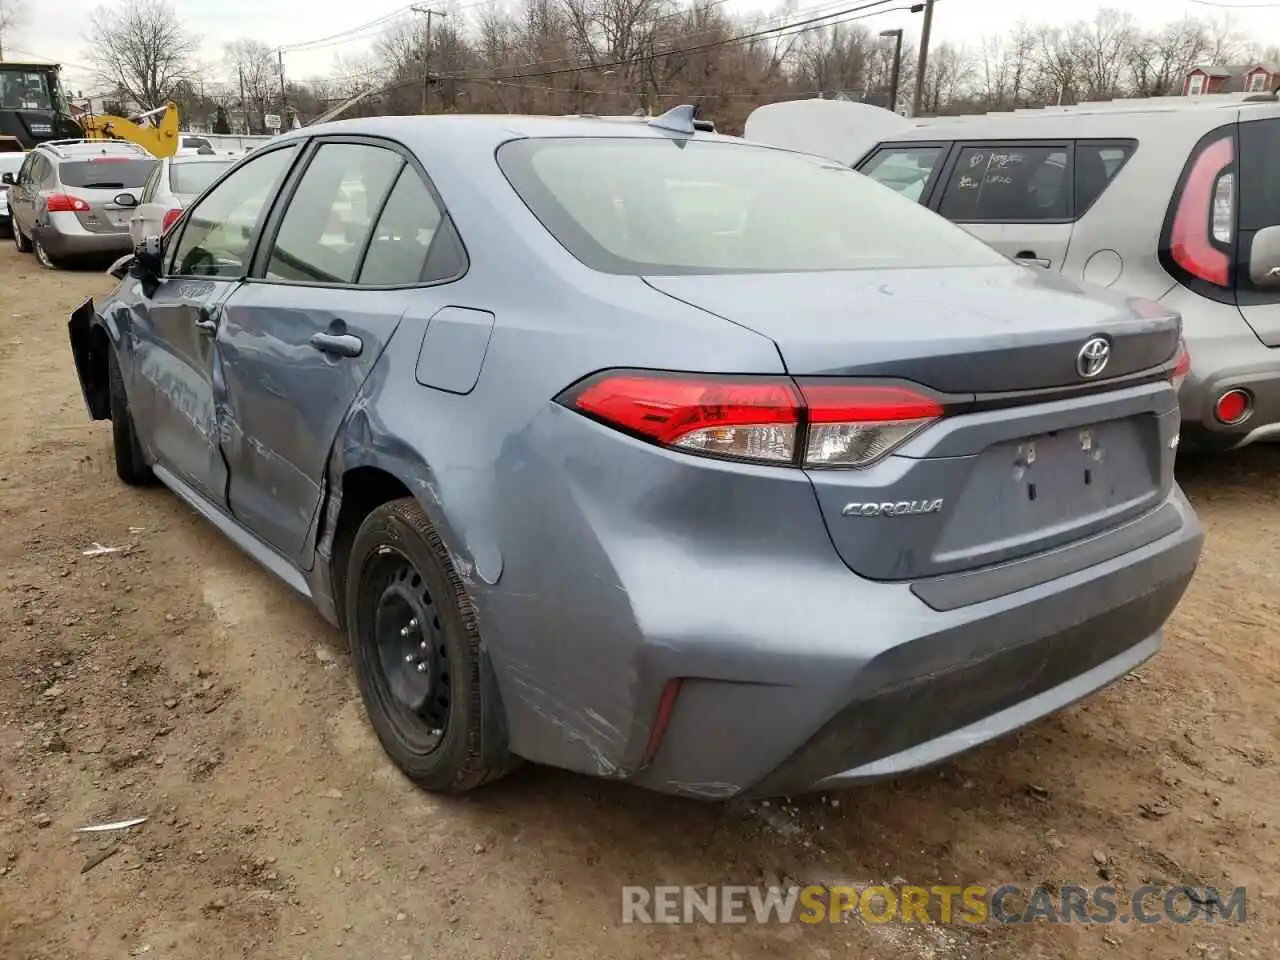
(1264,259)
(148,258)
(7,178)
(125,200)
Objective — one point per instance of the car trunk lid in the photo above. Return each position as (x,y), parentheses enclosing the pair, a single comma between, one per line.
(1031,454)
(97,182)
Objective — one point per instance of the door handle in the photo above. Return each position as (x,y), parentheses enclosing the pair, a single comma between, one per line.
(338,344)
(1029,257)
(206,324)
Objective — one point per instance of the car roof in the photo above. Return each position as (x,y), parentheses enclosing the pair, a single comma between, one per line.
(488,131)
(200,158)
(1112,118)
(79,149)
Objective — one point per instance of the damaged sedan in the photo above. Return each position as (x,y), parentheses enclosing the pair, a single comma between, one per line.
(622,446)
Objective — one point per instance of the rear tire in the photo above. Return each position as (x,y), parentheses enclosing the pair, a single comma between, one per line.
(415,646)
(131,465)
(46,261)
(20,240)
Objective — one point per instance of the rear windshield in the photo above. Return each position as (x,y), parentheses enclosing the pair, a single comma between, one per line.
(188,179)
(105,173)
(650,206)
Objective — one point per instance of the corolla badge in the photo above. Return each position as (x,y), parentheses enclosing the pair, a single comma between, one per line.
(900,508)
(1092,358)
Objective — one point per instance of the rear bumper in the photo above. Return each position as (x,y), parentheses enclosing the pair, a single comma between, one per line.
(62,235)
(794,673)
(891,703)
(1219,364)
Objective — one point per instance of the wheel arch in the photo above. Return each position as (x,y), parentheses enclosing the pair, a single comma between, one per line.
(362,475)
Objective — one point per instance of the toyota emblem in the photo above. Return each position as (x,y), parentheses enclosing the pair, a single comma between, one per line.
(1092,358)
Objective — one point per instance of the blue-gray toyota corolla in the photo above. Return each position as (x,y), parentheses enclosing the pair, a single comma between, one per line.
(631,448)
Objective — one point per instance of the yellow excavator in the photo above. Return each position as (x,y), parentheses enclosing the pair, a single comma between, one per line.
(155,131)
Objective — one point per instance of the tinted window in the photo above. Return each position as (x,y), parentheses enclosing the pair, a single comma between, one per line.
(189,179)
(905,170)
(218,236)
(149,191)
(1009,183)
(322,236)
(1259,174)
(1096,166)
(402,238)
(656,206)
(105,173)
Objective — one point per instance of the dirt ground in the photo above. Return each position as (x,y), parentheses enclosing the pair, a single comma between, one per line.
(177,680)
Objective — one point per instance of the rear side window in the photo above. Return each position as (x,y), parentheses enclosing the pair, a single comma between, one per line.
(327,225)
(189,179)
(1097,164)
(106,173)
(1198,240)
(662,207)
(905,170)
(402,238)
(1009,183)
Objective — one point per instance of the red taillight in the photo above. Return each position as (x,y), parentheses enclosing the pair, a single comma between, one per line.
(1181,366)
(169,217)
(762,419)
(1205,217)
(62,203)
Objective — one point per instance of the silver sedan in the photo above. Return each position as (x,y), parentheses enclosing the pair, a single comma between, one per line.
(175,182)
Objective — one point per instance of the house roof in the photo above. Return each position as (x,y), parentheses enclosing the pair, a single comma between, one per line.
(1233,75)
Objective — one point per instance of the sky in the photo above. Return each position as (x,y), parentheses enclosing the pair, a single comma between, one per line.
(45,34)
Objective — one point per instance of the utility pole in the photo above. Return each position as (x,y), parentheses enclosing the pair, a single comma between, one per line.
(426,50)
(280,63)
(244,110)
(924,57)
(897,66)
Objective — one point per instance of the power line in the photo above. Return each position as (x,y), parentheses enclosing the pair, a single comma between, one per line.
(793,29)
(1236,6)
(344,35)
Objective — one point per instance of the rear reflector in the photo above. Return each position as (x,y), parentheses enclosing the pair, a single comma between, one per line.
(1205,217)
(774,420)
(1233,407)
(63,203)
(666,704)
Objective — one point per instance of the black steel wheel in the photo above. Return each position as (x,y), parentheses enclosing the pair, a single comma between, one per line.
(415,647)
(413,658)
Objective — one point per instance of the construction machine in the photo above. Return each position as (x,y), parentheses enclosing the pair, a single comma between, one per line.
(32,106)
(156,131)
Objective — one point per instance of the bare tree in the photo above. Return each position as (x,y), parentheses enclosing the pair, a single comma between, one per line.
(1159,62)
(13,14)
(141,48)
(252,65)
(949,73)
(1105,46)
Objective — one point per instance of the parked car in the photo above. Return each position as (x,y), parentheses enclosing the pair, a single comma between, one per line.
(819,491)
(73,198)
(190,146)
(10,163)
(1174,199)
(173,184)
